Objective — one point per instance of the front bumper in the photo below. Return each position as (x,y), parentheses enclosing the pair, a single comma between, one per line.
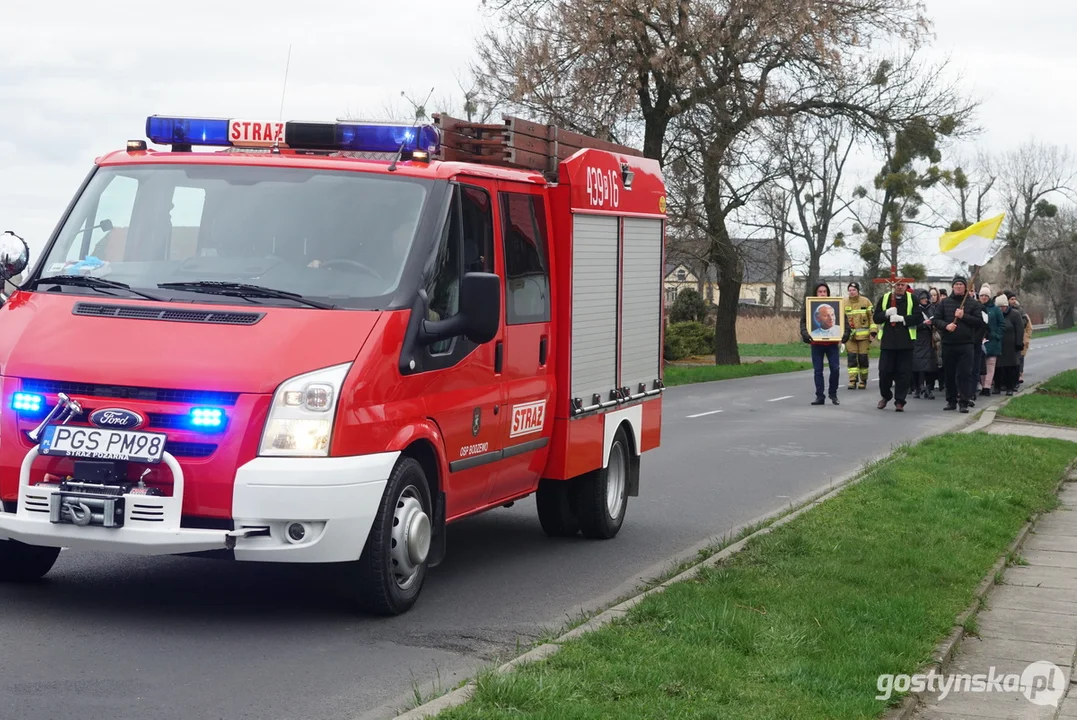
(335,499)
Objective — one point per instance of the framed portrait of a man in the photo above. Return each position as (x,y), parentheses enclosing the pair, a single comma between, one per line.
(824,319)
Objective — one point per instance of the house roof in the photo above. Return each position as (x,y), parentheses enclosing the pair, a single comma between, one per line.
(760,261)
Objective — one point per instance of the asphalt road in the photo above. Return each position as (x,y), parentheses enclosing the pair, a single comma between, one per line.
(111,636)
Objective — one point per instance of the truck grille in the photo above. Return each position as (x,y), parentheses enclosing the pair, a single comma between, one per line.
(130,392)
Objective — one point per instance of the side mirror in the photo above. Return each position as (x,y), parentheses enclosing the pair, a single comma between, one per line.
(14,255)
(479,318)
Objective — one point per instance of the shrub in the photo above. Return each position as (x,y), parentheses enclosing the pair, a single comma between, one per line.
(684,339)
(689,305)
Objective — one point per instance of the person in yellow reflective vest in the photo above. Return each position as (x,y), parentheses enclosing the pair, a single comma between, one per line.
(898,316)
(858,316)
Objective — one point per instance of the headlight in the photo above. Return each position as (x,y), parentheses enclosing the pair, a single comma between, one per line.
(300,422)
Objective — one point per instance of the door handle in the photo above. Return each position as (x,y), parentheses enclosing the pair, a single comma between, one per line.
(499,357)
(542,350)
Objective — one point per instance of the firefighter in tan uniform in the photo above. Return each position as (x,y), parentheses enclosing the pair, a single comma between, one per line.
(858,316)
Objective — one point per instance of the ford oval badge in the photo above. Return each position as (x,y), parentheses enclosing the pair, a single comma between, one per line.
(116,419)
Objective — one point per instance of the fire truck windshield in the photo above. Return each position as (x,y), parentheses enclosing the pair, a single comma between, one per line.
(336,236)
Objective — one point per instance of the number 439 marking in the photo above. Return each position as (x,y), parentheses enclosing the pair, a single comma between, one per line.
(603,187)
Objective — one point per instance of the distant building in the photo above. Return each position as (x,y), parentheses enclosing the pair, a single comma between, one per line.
(759,284)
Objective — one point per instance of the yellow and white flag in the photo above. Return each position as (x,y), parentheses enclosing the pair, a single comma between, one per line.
(973,245)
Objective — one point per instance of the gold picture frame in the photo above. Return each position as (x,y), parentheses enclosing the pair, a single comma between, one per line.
(824,325)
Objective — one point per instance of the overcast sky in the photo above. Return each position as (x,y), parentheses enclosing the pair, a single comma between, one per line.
(79,81)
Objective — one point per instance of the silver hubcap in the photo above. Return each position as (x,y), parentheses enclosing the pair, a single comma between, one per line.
(410,537)
(615,481)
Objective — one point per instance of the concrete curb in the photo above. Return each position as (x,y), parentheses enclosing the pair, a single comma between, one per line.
(772,520)
(988,415)
(945,650)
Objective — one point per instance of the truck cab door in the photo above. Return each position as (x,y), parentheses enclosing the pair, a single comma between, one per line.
(463,392)
(527,426)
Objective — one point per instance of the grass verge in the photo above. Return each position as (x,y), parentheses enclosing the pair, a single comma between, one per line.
(795,350)
(682,375)
(1053,403)
(1052,331)
(804,620)
(1043,408)
(1064,383)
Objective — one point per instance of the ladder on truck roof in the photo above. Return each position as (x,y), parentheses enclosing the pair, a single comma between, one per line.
(516,143)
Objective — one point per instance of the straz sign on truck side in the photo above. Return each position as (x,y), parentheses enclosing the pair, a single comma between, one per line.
(336,356)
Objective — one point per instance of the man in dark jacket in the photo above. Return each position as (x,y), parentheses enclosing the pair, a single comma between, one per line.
(959,320)
(897,316)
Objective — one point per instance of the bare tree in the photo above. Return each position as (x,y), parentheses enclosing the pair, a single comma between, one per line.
(969,188)
(1052,262)
(812,154)
(1032,179)
(635,69)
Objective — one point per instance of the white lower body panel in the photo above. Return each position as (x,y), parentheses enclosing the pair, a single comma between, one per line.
(336,500)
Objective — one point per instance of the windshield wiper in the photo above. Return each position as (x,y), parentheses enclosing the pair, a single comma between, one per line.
(215,287)
(94,283)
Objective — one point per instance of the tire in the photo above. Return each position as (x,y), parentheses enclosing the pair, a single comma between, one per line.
(603,488)
(379,588)
(557,508)
(20,562)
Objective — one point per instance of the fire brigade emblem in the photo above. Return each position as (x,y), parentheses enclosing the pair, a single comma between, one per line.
(476,422)
(662,204)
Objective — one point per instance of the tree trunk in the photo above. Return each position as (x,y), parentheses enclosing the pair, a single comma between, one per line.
(813,273)
(1065,314)
(779,275)
(730,276)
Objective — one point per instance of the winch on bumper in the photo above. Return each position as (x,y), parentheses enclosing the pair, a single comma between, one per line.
(108,516)
(331,502)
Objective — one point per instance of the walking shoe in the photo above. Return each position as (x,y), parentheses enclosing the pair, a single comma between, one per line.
(852,385)
(972,403)
(834,399)
(882,404)
(964,409)
(863,385)
(950,406)
(899,407)
(818,400)
(1009,393)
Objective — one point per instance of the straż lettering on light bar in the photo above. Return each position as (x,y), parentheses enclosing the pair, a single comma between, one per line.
(207,418)
(27,402)
(341,136)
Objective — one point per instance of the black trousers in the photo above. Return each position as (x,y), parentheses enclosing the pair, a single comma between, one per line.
(957,367)
(895,371)
(1009,374)
(979,366)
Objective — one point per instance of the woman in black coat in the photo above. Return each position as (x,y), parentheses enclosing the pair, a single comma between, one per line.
(1013,342)
(925,362)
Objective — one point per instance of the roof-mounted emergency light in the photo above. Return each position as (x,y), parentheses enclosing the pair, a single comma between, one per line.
(330,136)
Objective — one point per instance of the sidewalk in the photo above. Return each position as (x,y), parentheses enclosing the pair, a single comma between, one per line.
(1031,617)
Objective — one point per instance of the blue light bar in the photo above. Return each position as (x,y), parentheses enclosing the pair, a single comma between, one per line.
(330,136)
(361,138)
(206,418)
(187,131)
(27,402)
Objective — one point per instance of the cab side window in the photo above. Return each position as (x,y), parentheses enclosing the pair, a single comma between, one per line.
(458,254)
(527,277)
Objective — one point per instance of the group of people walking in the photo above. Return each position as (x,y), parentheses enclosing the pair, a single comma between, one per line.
(966,346)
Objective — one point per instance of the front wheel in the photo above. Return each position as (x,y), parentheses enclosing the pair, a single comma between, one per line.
(392,568)
(20,562)
(602,495)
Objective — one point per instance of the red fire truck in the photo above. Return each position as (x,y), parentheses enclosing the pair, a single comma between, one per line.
(322,342)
